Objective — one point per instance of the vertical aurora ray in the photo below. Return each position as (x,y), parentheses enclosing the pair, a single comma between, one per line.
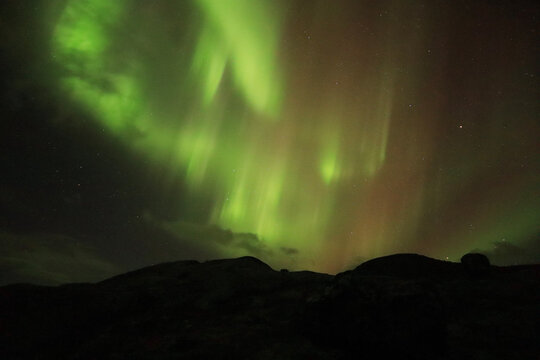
(244,35)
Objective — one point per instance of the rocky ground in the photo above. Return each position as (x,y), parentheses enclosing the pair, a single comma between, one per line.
(402,306)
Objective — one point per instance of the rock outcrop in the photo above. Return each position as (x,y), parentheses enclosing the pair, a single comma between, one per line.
(476,264)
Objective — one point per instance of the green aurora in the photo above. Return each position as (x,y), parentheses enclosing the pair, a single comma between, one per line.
(300,133)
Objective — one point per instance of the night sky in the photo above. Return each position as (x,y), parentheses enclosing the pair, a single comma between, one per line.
(310,134)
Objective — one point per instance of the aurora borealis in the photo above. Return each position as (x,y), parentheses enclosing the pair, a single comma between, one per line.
(312,134)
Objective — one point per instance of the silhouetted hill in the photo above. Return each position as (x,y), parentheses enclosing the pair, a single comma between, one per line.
(405,306)
(410,266)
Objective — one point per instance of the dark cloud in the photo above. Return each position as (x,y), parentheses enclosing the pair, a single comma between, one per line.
(50,259)
(213,237)
(289,250)
(505,253)
(252,244)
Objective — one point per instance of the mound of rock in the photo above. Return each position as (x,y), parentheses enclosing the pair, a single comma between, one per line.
(475,264)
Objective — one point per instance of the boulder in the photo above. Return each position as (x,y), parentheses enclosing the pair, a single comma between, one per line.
(475,265)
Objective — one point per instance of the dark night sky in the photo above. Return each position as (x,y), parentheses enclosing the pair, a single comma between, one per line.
(311,134)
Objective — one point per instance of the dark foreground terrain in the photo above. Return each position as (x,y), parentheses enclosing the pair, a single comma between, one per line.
(401,306)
